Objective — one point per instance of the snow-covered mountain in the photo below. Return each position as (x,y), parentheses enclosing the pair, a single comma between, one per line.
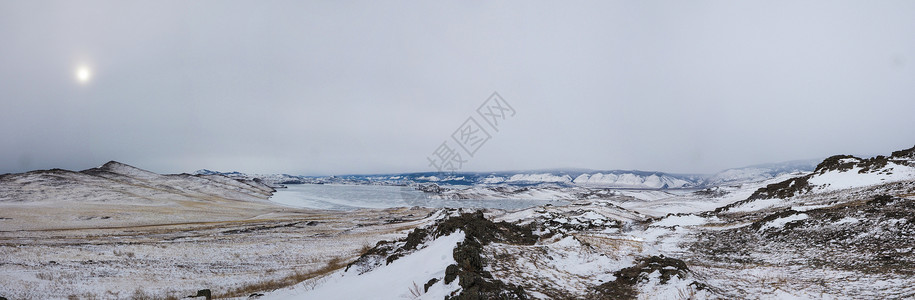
(636,180)
(759,172)
(554,178)
(585,178)
(625,179)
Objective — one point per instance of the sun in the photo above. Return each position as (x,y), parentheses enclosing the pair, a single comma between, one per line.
(83,74)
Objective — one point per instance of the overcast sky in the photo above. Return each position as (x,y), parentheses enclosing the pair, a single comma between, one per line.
(335,87)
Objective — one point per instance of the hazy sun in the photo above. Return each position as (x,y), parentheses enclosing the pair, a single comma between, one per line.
(83,74)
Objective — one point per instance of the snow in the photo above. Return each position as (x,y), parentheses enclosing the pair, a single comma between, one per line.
(685,220)
(493,180)
(780,222)
(757,205)
(847,220)
(393,281)
(571,259)
(746,174)
(849,160)
(647,195)
(592,216)
(837,180)
(565,263)
(545,177)
(628,180)
(675,288)
(760,172)
(660,203)
(352,197)
(809,207)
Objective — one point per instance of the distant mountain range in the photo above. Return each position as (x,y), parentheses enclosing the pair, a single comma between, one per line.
(632,179)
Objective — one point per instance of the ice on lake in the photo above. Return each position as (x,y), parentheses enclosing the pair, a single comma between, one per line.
(350,197)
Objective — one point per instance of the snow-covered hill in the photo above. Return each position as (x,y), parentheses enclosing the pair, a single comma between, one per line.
(760,172)
(839,174)
(117,194)
(272,180)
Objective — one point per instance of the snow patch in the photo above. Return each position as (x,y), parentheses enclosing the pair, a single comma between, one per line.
(847,220)
(393,281)
(839,180)
(687,220)
(780,222)
(757,205)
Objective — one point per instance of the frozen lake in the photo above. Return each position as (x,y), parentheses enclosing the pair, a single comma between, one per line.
(349,197)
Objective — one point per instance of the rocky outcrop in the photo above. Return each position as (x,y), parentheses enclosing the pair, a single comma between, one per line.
(880,167)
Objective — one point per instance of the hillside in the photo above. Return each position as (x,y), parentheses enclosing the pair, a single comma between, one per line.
(836,176)
(117,194)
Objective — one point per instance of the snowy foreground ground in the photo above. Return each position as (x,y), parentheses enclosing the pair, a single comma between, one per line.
(843,231)
(117,232)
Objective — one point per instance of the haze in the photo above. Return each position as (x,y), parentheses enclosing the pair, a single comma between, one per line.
(375,87)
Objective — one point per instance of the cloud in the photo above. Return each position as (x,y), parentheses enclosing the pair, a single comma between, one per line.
(331,88)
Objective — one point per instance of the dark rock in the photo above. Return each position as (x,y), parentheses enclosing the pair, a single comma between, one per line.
(416,237)
(881,200)
(782,214)
(451,273)
(903,154)
(476,283)
(785,189)
(835,163)
(430,188)
(429,284)
(627,278)
(373,257)
(203,293)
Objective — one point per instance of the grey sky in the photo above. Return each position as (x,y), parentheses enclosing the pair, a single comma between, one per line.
(336,87)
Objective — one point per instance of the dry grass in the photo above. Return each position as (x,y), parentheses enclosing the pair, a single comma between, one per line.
(290,280)
(246,256)
(58,277)
(609,245)
(416,291)
(124,253)
(687,293)
(365,249)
